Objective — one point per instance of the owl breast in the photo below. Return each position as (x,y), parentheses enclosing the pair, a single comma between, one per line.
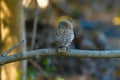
(64,37)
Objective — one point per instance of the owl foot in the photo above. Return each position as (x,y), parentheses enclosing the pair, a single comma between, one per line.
(68,49)
(60,50)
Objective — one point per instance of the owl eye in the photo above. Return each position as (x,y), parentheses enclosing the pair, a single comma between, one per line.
(62,24)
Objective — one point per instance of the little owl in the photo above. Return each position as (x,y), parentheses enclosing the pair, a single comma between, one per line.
(64,35)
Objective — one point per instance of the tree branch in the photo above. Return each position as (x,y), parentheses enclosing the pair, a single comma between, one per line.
(10,49)
(52,52)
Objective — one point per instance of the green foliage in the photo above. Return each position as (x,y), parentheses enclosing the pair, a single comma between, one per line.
(31,74)
(19,75)
(47,64)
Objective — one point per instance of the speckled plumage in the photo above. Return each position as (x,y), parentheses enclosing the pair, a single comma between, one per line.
(64,35)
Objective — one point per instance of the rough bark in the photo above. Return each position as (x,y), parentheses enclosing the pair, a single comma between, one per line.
(52,52)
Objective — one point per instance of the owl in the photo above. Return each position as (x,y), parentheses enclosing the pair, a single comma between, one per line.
(64,35)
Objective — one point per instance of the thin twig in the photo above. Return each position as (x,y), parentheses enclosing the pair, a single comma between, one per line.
(39,68)
(24,62)
(24,70)
(35,27)
(10,49)
(52,52)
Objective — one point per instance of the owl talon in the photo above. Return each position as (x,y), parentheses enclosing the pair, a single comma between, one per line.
(68,49)
(61,50)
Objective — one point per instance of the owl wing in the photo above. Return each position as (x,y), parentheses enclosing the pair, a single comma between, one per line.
(68,38)
(59,37)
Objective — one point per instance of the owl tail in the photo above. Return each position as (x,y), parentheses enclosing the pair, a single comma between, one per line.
(61,50)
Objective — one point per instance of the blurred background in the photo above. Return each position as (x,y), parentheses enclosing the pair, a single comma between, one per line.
(34,21)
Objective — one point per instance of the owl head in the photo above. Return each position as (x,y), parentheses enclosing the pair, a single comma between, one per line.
(65,24)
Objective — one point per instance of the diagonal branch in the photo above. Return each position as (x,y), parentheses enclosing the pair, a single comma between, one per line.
(10,49)
(52,52)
